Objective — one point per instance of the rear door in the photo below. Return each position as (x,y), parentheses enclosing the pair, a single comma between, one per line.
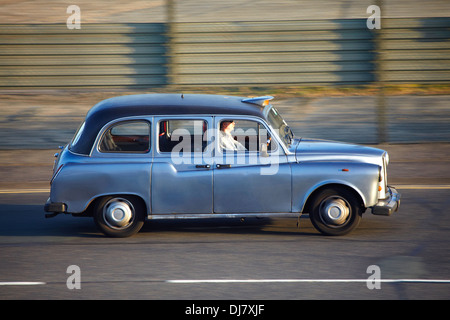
(182,178)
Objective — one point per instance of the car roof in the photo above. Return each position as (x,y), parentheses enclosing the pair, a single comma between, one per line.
(160,104)
(169,104)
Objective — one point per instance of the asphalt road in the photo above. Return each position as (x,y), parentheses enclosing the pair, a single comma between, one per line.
(253,259)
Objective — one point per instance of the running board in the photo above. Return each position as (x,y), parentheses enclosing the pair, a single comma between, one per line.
(222,215)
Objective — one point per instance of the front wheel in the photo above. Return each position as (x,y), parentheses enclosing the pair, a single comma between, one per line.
(119,216)
(335,211)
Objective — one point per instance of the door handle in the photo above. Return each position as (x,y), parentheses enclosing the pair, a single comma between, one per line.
(204,166)
(223,166)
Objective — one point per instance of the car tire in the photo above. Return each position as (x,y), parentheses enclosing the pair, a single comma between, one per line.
(119,216)
(335,211)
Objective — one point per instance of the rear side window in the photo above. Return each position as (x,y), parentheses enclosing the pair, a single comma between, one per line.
(125,137)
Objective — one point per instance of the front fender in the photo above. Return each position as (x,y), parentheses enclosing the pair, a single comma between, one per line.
(307,177)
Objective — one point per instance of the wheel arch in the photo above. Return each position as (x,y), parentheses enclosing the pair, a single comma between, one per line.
(89,211)
(336,185)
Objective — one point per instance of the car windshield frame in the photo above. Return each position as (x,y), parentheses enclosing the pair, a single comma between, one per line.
(279,126)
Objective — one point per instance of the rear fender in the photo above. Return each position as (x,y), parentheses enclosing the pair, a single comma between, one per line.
(78,184)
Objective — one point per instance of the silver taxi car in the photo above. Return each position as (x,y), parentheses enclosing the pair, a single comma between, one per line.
(175,156)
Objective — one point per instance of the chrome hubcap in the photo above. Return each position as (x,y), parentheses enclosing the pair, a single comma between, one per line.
(334,211)
(118,213)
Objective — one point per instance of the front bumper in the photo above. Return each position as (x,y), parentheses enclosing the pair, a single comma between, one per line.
(55,208)
(388,206)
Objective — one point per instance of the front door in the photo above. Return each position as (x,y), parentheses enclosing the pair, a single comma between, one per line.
(247,177)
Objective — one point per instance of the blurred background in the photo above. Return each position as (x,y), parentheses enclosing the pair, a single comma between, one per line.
(332,76)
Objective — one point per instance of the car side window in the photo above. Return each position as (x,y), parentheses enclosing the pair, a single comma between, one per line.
(243,135)
(182,135)
(126,137)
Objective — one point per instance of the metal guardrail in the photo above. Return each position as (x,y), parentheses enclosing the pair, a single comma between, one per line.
(264,53)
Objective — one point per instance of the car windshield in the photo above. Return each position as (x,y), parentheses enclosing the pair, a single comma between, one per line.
(280,126)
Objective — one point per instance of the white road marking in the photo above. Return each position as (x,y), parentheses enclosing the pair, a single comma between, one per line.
(307,281)
(21,283)
(18,191)
(423,186)
(261,281)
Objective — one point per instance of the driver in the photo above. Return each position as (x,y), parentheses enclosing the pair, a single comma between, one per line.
(226,141)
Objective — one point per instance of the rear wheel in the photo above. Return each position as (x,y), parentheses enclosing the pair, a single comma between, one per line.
(335,211)
(119,216)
